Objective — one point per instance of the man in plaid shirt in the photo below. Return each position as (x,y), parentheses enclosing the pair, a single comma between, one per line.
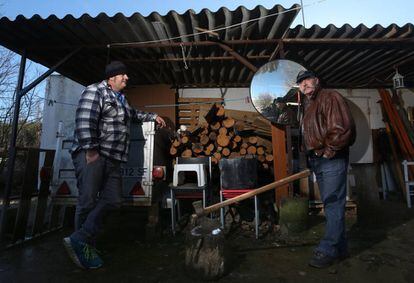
(101,143)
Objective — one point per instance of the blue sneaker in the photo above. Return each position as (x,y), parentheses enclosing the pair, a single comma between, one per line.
(83,255)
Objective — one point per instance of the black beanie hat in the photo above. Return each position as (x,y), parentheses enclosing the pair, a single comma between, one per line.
(115,68)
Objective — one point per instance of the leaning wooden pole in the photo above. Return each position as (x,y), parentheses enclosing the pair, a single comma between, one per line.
(281,182)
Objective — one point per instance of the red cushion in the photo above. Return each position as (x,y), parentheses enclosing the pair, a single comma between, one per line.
(227,194)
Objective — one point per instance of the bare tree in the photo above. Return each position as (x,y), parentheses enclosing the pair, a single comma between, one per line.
(29,119)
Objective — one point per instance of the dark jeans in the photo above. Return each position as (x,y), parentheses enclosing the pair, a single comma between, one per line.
(99,186)
(331,175)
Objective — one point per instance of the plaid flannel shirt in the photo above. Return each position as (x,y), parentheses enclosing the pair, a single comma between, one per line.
(103,122)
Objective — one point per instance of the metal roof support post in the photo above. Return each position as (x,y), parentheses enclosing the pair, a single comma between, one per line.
(12,148)
(48,72)
(20,92)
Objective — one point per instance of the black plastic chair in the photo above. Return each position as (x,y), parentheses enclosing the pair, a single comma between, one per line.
(238,176)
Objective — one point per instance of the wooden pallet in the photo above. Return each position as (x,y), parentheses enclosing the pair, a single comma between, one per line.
(189,110)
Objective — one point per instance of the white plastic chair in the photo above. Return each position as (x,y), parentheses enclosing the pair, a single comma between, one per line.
(182,190)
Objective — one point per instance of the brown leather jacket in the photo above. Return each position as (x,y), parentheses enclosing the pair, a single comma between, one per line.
(328,126)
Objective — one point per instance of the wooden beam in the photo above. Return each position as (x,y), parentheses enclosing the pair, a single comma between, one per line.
(210,58)
(212,85)
(279,48)
(240,58)
(280,161)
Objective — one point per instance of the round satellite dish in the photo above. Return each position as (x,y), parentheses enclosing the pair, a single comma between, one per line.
(273,91)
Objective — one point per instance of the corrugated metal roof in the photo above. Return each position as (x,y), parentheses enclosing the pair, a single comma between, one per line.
(357,57)
(344,56)
(48,40)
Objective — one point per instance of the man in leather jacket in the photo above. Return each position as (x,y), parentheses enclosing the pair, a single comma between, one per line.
(328,130)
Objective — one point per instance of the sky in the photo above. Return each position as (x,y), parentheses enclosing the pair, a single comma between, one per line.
(320,12)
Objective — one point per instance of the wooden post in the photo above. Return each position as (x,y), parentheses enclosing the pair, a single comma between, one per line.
(280,161)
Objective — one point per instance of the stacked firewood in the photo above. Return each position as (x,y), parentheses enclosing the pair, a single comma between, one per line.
(221,136)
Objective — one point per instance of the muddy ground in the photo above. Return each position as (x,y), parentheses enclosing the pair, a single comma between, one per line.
(381,246)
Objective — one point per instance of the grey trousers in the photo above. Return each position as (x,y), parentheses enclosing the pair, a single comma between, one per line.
(99,185)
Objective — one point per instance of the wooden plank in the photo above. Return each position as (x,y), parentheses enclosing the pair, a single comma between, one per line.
(188,107)
(29,185)
(289,154)
(397,124)
(289,150)
(191,106)
(184,121)
(395,163)
(304,187)
(45,178)
(188,114)
(198,99)
(252,120)
(280,161)
(386,102)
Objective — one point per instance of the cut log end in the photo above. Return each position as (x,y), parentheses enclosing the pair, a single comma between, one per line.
(223,140)
(187,153)
(173,151)
(228,123)
(251,150)
(226,151)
